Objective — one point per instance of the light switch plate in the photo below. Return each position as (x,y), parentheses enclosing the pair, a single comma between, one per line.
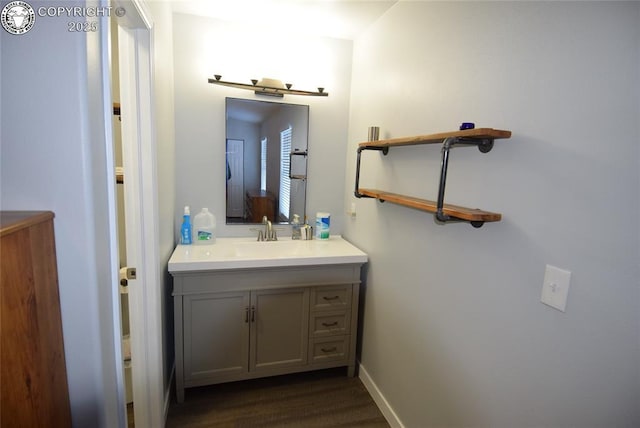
(352,213)
(555,288)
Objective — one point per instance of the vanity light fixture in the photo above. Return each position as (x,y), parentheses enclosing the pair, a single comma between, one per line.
(269,87)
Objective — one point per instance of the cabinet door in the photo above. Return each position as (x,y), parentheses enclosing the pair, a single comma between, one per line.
(280,329)
(216,334)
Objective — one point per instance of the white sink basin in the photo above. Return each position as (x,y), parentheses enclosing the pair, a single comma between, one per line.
(277,249)
(243,253)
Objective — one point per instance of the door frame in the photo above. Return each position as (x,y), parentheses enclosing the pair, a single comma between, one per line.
(235,202)
(135,53)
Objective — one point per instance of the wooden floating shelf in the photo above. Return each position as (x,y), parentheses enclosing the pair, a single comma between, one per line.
(482,138)
(463,213)
(476,134)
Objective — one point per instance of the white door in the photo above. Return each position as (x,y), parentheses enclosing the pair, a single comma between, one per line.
(141,218)
(235,178)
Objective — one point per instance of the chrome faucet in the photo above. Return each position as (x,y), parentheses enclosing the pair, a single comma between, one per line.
(269,233)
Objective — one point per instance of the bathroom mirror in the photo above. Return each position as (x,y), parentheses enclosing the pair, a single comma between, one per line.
(266,153)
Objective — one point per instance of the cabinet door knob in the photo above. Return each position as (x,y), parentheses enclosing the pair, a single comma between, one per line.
(253,314)
(246,314)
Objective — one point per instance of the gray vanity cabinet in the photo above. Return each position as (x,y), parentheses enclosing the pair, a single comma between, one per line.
(216,335)
(231,333)
(247,323)
(279,321)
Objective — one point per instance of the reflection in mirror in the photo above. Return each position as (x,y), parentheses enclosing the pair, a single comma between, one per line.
(266,148)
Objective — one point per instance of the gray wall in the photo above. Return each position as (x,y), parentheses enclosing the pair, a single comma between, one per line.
(53,159)
(297,118)
(454,332)
(204,47)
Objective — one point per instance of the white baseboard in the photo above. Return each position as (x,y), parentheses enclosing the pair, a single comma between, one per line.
(379,399)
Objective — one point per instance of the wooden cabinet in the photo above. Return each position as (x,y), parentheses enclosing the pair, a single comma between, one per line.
(248,323)
(260,203)
(34,387)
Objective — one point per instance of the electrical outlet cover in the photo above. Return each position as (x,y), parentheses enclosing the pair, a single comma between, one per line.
(555,287)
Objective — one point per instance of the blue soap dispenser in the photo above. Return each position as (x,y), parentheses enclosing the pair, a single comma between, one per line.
(185,230)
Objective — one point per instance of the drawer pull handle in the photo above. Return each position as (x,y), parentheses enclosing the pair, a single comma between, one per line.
(332,349)
(331,297)
(330,324)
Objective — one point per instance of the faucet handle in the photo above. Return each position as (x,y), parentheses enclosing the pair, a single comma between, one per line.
(274,233)
(261,234)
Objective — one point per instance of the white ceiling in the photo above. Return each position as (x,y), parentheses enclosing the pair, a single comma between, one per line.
(343,19)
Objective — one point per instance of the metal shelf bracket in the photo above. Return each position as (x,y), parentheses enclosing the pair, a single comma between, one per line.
(484,145)
(384,150)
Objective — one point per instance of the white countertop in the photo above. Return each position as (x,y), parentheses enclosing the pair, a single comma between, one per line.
(244,253)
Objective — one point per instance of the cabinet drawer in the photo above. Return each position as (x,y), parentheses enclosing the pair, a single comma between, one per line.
(330,323)
(329,349)
(327,298)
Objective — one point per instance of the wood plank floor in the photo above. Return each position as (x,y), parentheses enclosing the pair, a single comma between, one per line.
(326,398)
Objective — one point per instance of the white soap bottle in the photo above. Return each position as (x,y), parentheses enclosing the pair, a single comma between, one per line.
(204,225)
(295,227)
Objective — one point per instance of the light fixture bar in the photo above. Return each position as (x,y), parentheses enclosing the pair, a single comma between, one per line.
(272,91)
